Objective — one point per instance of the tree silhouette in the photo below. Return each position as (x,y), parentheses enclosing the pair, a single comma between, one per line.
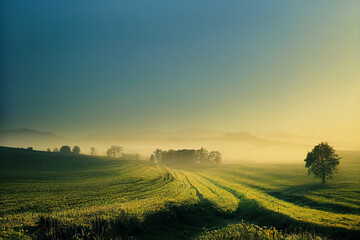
(322,161)
(65,149)
(117,150)
(76,150)
(109,152)
(56,149)
(114,151)
(93,151)
(215,157)
(202,155)
(186,156)
(158,155)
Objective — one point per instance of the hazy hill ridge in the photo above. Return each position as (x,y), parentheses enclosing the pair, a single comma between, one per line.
(273,146)
(24,137)
(30,136)
(196,133)
(27,132)
(245,137)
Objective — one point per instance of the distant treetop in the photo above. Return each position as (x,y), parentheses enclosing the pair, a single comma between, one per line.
(186,156)
(114,151)
(76,150)
(65,149)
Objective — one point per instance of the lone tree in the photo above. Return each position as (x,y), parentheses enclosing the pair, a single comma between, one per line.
(114,151)
(65,149)
(109,152)
(76,150)
(322,161)
(93,151)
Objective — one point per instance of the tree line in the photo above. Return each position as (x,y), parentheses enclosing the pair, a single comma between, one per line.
(114,152)
(322,161)
(66,149)
(186,156)
(117,152)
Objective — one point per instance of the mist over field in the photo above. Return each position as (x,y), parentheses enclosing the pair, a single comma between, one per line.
(270,147)
(168,120)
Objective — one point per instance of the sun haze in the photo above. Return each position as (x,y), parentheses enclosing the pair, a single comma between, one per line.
(80,69)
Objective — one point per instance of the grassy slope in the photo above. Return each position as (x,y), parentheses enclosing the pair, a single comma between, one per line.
(79,189)
(287,190)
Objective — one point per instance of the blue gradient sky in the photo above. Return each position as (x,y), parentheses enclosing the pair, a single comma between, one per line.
(85,67)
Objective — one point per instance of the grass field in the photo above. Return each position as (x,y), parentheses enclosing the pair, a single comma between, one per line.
(54,196)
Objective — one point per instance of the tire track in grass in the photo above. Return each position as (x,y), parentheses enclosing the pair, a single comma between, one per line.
(261,209)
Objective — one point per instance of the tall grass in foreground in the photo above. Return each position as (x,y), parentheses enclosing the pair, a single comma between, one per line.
(125,226)
(245,231)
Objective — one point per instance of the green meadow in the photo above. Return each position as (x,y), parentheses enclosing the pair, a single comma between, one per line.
(58,196)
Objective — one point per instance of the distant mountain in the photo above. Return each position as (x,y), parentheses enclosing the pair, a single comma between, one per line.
(185,133)
(248,138)
(108,138)
(198,133)
(26,132)
(272,146)
(23,137)
(181,136)
(282,136)
(152,133)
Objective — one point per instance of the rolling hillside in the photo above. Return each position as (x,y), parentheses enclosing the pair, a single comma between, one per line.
(50,194)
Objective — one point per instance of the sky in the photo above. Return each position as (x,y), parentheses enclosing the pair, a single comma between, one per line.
(88,67)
